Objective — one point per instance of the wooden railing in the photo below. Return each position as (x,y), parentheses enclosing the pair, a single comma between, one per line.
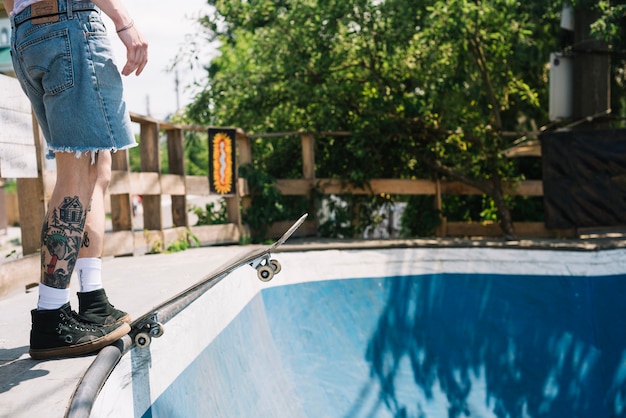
(325,186)
(152,185)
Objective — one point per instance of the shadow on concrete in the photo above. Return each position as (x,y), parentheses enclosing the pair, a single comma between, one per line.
(15,369)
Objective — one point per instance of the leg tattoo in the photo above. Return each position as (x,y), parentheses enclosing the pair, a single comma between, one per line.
(86,240)
(62,237)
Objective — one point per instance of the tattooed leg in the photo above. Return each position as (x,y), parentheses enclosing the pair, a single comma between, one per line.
(64,226)
(61,240)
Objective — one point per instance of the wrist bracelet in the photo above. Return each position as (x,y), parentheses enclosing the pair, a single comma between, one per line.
(130,25)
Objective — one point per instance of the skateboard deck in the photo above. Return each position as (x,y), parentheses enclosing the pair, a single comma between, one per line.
(150,325)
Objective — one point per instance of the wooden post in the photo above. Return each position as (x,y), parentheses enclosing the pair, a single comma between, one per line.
(308,167)
(442,230)
(176,158)
(308,156)
(121,204)
(242,201)
(32,202)
(151,163)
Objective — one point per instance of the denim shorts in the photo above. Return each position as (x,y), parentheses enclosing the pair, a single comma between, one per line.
(66,69)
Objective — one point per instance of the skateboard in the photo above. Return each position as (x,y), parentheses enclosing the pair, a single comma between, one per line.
(150,325)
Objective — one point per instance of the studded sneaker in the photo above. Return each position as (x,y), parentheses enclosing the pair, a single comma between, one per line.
(61,333)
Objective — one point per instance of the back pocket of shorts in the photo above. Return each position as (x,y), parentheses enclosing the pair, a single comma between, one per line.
(47,61)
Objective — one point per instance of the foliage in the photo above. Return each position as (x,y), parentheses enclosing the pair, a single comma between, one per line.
(196,148)
(348,216)
(425,87)
(10,186)
(420,218)
(213,213)
(184,242)
(268,205)
(196,154)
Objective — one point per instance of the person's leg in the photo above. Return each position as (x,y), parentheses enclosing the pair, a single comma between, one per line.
(64,224)
(89,263)
(93,302)
(57,331)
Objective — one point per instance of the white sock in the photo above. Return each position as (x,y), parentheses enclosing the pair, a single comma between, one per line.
(52,298)
(89,271)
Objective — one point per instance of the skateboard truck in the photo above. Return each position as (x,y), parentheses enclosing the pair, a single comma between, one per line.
(146,329)
(265,267)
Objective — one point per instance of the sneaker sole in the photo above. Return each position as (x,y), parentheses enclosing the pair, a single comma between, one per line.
(80,349)
(125,318)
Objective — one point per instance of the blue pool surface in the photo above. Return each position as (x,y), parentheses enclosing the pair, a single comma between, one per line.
(428,345)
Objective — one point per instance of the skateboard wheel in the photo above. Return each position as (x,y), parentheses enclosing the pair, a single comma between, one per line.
(275,266)
(265,273)
(142,339)
(158,330)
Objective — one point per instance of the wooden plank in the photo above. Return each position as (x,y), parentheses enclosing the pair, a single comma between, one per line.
(400,187)
(3,211)
(145,183)
(380,186)
(295,187)
(523,188)
(527,188)
(176,151)
(232,209)
(197,185)
(18,151)
(242,188)
(121,212)
(120,183)
(308,156)
(33,197)
(244,149)
(152,215)
(216,234)
(16,275)
(13,210)
(244,156)
(176,159)
(120,197)
(172,184)
(150,164)
(456,187)
(119,243)
(179,211)
(119,191)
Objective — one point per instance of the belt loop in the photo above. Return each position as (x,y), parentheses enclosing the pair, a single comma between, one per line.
(69,9)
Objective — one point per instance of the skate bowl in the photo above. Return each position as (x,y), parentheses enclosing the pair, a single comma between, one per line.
(413,332)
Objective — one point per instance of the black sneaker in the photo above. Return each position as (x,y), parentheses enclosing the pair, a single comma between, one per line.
(60,333)
(95,307)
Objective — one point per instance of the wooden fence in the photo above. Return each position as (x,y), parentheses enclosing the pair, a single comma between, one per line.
(153,186)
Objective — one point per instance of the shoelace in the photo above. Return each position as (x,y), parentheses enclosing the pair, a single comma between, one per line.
(79,323)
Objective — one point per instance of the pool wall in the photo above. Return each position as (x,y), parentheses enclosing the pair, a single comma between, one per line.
(249,349)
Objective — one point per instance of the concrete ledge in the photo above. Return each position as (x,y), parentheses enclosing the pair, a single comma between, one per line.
(16,275)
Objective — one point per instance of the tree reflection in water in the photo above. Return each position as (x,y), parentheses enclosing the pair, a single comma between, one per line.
(511,346)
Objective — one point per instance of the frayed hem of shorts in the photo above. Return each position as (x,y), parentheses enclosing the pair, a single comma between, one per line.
(79,153)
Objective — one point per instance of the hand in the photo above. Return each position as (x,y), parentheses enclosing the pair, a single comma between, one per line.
(136,50)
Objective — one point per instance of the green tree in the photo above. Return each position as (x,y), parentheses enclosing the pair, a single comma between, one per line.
(424,86)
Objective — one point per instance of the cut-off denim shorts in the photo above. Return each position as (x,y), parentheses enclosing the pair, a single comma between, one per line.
(66,69)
